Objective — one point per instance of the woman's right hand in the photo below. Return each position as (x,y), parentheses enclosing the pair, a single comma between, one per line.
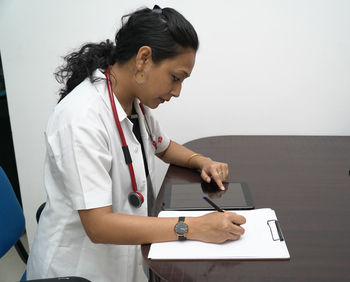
(216,227)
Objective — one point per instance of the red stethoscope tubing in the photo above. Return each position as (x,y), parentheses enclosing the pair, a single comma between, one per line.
(120,130)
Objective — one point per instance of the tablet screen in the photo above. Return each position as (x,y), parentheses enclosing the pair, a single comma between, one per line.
(189,196)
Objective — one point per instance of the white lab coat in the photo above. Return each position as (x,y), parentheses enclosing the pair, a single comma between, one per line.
(84,169)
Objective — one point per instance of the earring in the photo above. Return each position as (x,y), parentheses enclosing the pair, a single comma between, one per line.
(140,75)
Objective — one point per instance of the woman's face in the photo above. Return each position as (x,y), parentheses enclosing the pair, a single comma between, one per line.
(165,79)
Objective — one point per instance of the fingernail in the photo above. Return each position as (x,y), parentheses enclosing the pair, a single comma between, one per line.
(222,188)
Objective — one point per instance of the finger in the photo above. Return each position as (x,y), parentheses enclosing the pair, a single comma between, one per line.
(205,176)
(218,181)
(223,171)
(236,218)
(240,219)
(235,229)
(221,174)
(226,171)
(234,237)
(238,230)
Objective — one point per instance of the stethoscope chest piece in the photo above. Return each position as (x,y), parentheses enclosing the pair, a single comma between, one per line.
(135,199)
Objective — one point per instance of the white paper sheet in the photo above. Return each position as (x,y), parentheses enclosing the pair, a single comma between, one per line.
(256,243)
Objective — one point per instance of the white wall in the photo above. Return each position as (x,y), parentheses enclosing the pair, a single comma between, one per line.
(263,68)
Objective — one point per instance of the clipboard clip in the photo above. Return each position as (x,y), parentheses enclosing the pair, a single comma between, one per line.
(275,226)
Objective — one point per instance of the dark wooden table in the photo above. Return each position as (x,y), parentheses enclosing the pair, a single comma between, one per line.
(306,180)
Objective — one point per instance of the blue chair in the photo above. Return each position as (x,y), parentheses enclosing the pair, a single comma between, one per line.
(12,226)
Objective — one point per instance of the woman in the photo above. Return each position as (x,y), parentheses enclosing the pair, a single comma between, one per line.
(97,192)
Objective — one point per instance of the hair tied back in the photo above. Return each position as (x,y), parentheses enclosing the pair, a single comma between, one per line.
(157,9)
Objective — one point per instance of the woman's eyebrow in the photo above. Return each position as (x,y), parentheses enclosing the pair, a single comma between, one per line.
(186,74)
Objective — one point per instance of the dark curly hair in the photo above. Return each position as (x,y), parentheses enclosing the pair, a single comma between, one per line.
(166,31)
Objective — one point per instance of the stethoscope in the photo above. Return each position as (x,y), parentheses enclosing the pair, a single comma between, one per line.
(135,198)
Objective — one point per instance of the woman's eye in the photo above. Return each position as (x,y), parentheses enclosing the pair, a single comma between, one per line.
(175,78)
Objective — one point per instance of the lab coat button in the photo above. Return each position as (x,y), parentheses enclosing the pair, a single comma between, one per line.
(136,149)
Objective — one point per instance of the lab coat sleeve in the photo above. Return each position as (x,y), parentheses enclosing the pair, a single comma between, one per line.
(82,159)
(158,135)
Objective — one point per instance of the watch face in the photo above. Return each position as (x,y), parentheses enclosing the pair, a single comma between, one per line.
(181,228)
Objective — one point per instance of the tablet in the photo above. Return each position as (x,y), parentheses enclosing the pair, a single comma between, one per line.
(188,196)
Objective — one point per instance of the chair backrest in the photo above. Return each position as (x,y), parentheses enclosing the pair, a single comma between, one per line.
(12,222)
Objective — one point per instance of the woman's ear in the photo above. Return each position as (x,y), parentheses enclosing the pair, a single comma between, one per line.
(143,58)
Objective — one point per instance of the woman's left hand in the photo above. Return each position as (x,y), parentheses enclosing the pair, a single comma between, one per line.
(179,155)
(216,170)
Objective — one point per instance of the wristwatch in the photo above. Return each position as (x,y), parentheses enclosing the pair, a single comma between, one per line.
(181,228)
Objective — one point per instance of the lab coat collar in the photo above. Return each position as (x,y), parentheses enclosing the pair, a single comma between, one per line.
(142,119)
(104,91)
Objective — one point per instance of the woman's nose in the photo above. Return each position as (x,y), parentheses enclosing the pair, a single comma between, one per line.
(176,90)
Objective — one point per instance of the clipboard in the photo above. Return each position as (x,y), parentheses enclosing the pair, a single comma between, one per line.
(263,240)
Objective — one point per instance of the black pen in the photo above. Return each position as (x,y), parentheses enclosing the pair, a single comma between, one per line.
(212,204)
